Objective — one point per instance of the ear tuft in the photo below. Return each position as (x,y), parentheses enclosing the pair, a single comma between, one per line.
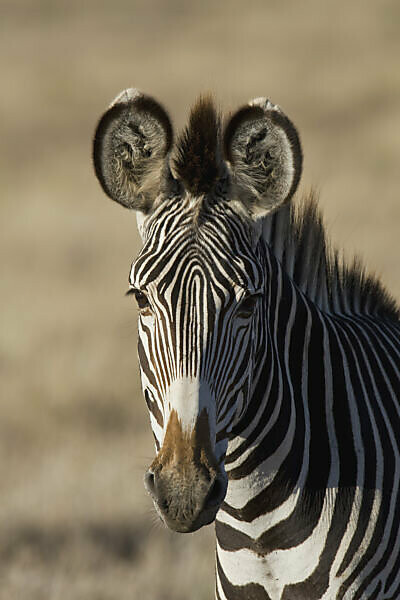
(130,147)
(263,148)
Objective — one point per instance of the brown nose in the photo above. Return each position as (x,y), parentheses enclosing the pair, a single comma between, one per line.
(186,500)
(185,480)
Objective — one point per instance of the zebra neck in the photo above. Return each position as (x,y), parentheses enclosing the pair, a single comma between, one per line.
(279,448)
(263,442)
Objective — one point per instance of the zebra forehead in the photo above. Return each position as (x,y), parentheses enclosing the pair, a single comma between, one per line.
(197,214)
(201,236)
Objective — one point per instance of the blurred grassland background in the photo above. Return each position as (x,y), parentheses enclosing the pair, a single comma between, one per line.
(75,522)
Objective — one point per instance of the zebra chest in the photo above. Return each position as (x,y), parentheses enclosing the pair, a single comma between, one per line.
(292,553)
(269,565)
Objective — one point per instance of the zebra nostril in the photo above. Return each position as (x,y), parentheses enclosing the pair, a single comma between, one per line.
(149,482)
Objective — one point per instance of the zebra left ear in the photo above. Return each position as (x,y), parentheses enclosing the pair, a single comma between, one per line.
(263,149)
(130,150)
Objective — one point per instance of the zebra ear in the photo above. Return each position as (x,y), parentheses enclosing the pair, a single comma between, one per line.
(264,152)
(130,150)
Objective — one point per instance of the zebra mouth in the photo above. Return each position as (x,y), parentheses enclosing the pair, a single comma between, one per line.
(180,526)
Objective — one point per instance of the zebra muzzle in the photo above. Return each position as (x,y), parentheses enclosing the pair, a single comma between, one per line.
(186,500)
(185,481)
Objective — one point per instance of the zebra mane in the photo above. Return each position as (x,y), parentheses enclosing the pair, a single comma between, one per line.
(297,237)
(198,162)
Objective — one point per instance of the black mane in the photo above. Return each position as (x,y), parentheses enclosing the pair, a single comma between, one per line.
(197,162)
(297,235)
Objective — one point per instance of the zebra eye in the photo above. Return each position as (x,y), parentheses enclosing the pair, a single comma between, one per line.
(247,305)
(140,297)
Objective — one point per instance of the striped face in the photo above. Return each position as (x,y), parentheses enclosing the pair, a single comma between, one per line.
(198,283)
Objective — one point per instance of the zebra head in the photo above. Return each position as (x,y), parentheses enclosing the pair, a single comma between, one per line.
(199,279)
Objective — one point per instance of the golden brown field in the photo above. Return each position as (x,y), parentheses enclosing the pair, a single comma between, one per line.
(75,522)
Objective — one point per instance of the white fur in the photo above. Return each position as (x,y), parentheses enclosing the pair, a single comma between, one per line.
(141,223)
(126,96)
(188,397)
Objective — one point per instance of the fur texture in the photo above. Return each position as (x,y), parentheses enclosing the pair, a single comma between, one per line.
(264,152)
(298,237)
(131,142)
(198,161)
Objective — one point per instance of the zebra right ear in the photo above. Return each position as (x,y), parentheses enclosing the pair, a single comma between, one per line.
(263,149)
(130,149)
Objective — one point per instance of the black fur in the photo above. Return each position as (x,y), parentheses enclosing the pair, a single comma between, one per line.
(198,162)
(308,256)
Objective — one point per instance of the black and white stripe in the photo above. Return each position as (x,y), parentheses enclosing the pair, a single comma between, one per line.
(200,293)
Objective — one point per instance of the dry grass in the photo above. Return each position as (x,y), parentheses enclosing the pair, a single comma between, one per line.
(74,439)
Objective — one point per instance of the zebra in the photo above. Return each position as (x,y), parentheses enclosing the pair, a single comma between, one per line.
(270,365)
